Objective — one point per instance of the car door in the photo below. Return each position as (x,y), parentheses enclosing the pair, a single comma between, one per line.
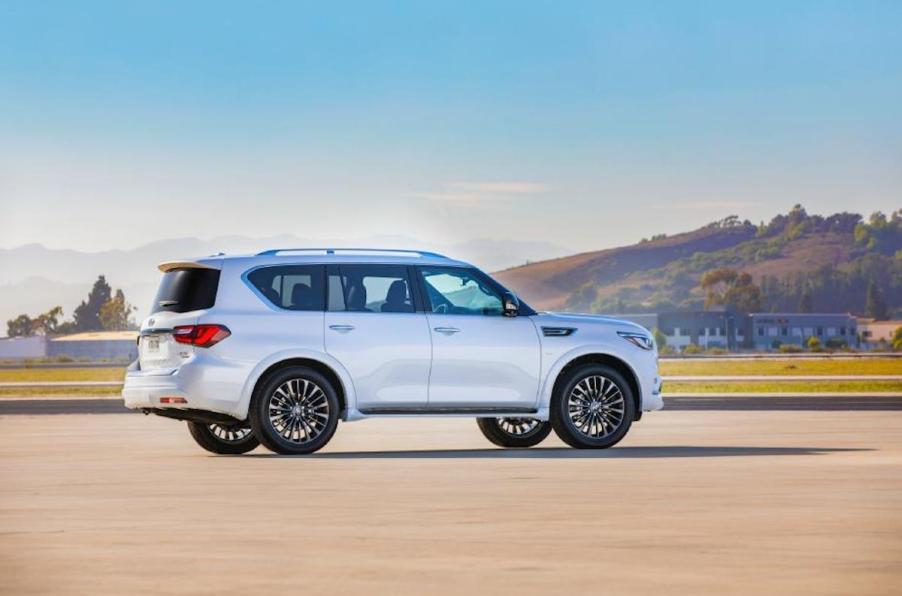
(480,358)
(373,328)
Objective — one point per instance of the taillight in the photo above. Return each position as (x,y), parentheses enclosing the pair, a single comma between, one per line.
(202,336)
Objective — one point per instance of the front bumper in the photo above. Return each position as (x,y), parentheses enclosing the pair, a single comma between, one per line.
(653,399)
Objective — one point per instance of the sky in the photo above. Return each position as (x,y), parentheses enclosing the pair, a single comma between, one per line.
(583,124)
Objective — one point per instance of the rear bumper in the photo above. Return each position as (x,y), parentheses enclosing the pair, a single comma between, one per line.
(202,386)
(145,390)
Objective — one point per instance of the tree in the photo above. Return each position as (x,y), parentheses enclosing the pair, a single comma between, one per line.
(661,339)
(43,324)
(115,314)
(813,343)
(21,326)
(744,296)
(728,287)
(87,314)
(897,339)
(875,306)
(48,322)
(716,283)
(806,303)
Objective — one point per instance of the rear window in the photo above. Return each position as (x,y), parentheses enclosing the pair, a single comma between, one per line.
(186,289)
(292,287)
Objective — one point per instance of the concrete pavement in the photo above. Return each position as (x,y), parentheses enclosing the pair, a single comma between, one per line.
(692,502)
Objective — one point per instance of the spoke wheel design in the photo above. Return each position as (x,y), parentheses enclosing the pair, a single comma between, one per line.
(230,434)
(225,439)
(596,407)
(298,411)
(514,432)
(519,427)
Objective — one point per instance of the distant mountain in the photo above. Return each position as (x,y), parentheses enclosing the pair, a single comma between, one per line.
(34,278)
(830,260)
(833,259)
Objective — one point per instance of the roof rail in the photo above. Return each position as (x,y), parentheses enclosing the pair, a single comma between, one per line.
(331,251)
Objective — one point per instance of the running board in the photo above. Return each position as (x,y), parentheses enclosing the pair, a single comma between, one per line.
(438,410)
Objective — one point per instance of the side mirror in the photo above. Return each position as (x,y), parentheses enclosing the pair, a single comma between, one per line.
(511,306)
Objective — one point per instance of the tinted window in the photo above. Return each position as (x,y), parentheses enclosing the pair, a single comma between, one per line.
(336,293)
(292,287)
(370,288)
(184,290)
(459,292)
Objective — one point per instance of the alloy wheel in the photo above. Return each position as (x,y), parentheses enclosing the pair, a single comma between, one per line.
(519,427)
(298,410)
(230,434)
(596,407)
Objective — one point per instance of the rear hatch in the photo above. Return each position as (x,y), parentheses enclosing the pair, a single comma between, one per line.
(185,289)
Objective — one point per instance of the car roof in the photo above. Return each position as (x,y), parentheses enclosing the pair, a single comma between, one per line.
(284,256)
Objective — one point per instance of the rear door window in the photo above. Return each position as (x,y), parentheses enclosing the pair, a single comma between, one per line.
(292,287)
(186,289)
(371,288)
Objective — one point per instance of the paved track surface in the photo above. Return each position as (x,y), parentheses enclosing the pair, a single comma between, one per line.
(32,406)
(691,502)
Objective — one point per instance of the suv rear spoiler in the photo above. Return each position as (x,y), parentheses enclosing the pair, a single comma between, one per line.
(170,265)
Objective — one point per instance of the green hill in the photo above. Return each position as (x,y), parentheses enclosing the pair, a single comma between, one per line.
(799,262)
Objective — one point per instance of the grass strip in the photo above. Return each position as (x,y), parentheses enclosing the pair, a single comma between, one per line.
(889,366)
(23,375)
(783,387)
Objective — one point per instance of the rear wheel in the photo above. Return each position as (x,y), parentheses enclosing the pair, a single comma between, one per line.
(514,432)
(295,411)
(223,439)
(594,407)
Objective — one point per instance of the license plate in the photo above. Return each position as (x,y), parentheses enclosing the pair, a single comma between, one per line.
(152,344)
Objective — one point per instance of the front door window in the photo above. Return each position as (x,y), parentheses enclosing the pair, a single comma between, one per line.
(459,292)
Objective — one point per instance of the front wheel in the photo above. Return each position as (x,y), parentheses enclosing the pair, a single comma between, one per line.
(593,408)
(514,432)
(222,439)
(295,412)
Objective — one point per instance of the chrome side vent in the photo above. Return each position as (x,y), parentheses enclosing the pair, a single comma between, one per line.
(558,331)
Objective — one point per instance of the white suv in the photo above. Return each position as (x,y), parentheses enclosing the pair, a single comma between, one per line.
(276,348)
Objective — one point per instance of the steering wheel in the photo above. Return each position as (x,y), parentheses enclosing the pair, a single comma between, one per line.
(441,309)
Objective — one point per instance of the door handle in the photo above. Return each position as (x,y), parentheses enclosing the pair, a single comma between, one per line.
(341,328)
(447,330)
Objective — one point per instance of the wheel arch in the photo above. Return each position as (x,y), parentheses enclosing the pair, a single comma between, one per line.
(618,364)
(333,372)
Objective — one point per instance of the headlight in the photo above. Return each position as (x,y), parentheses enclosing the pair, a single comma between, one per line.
(639,340)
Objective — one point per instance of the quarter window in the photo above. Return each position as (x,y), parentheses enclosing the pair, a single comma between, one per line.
(292,287)
(456,291)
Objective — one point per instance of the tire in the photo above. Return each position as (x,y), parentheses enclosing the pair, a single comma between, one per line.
(514,432)
(224,440)
(295,411)
(583,425)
